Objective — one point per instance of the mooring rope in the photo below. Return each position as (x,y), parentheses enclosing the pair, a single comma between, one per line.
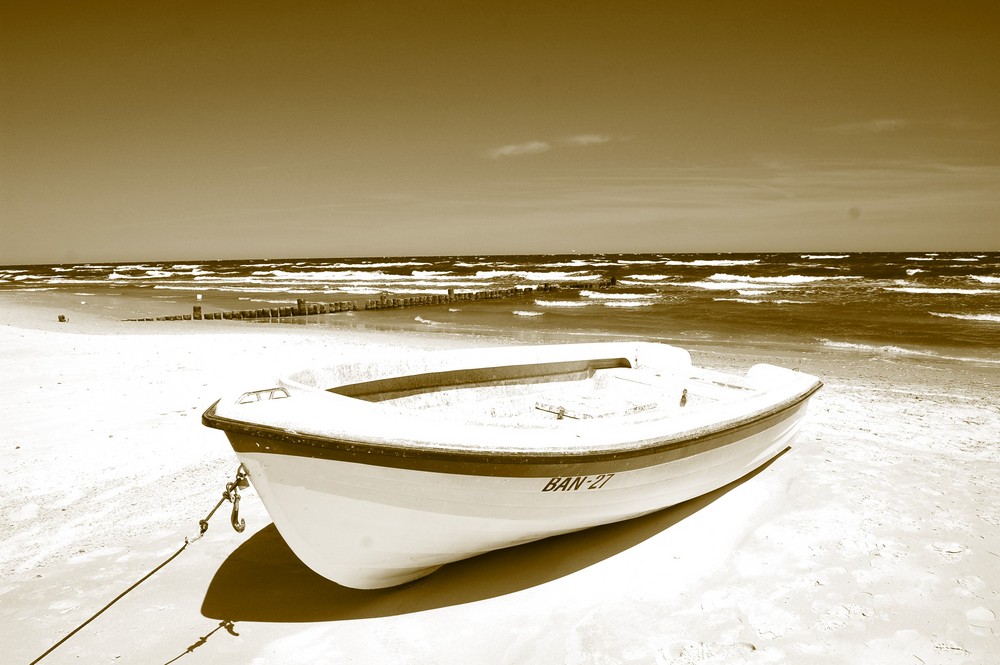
(117,598)
(232,494)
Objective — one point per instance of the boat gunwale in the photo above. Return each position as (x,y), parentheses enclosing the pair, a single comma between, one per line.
(395,387)
(492,461)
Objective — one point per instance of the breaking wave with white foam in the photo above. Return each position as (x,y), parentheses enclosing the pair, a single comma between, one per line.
(604,295)
(892,350)
(989,318)
(938,290)
(564,303)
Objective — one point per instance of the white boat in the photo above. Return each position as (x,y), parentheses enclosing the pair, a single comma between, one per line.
(377,473)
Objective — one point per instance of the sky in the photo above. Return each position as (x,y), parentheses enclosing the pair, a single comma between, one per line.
(210,130)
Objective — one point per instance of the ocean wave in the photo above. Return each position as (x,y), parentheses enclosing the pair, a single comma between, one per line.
(749,301)
(340,276)
(563,303)
(719,263)
(818,257)
(724,286)
(416,288)
(521,312)
(427,278)
(756,292)
(346,265)
(896,351)
(136,267)
(427,322)
(913,271)
(575,263)
(779,280)
(365,287)
(239,289)
(938,290)
(545,276)
(986,279)
(758,301)
(339,270)
(424,274)
(21,278)
(152,273)
(597,262)
(84,267)
(325,275)
(628,303)
(646,278)
(480,264)
(269,301)
(886,349)
(600,295)
(385,264)
(62,281)
(361,290)
(921,258)
(991,318)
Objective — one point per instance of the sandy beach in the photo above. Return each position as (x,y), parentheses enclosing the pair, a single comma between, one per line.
(874,539)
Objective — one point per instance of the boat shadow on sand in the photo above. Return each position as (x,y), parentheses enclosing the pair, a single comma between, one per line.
(263,580)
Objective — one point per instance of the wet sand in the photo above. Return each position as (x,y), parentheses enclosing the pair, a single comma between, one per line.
(875,538)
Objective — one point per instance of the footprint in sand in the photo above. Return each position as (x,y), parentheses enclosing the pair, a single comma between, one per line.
(950,551)
(981,620)
(840,616)
(690,653)
(64,606)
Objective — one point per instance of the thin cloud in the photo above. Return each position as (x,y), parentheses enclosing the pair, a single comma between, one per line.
(529,148)
(880,126)
(537,147)
(588,139)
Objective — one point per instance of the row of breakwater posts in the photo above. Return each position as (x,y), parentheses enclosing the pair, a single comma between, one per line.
(303,308)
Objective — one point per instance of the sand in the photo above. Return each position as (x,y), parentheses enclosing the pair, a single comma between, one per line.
(875,538)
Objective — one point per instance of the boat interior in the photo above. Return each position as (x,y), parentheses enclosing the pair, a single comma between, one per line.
(574,390)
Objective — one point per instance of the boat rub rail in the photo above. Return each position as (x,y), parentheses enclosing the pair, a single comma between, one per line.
(253,438)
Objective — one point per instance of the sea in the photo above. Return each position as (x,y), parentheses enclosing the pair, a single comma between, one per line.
(936,305)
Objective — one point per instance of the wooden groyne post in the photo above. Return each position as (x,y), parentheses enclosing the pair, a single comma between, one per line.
(304,308)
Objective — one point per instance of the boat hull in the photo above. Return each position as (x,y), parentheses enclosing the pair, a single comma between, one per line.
(372,523)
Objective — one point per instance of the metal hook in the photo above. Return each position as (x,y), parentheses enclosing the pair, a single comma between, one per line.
(233,493)
(234,517)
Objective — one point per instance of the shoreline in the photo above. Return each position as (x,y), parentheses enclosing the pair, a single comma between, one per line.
(876,537)
(106,314)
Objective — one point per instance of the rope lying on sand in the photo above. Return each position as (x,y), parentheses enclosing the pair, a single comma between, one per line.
(232,494)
